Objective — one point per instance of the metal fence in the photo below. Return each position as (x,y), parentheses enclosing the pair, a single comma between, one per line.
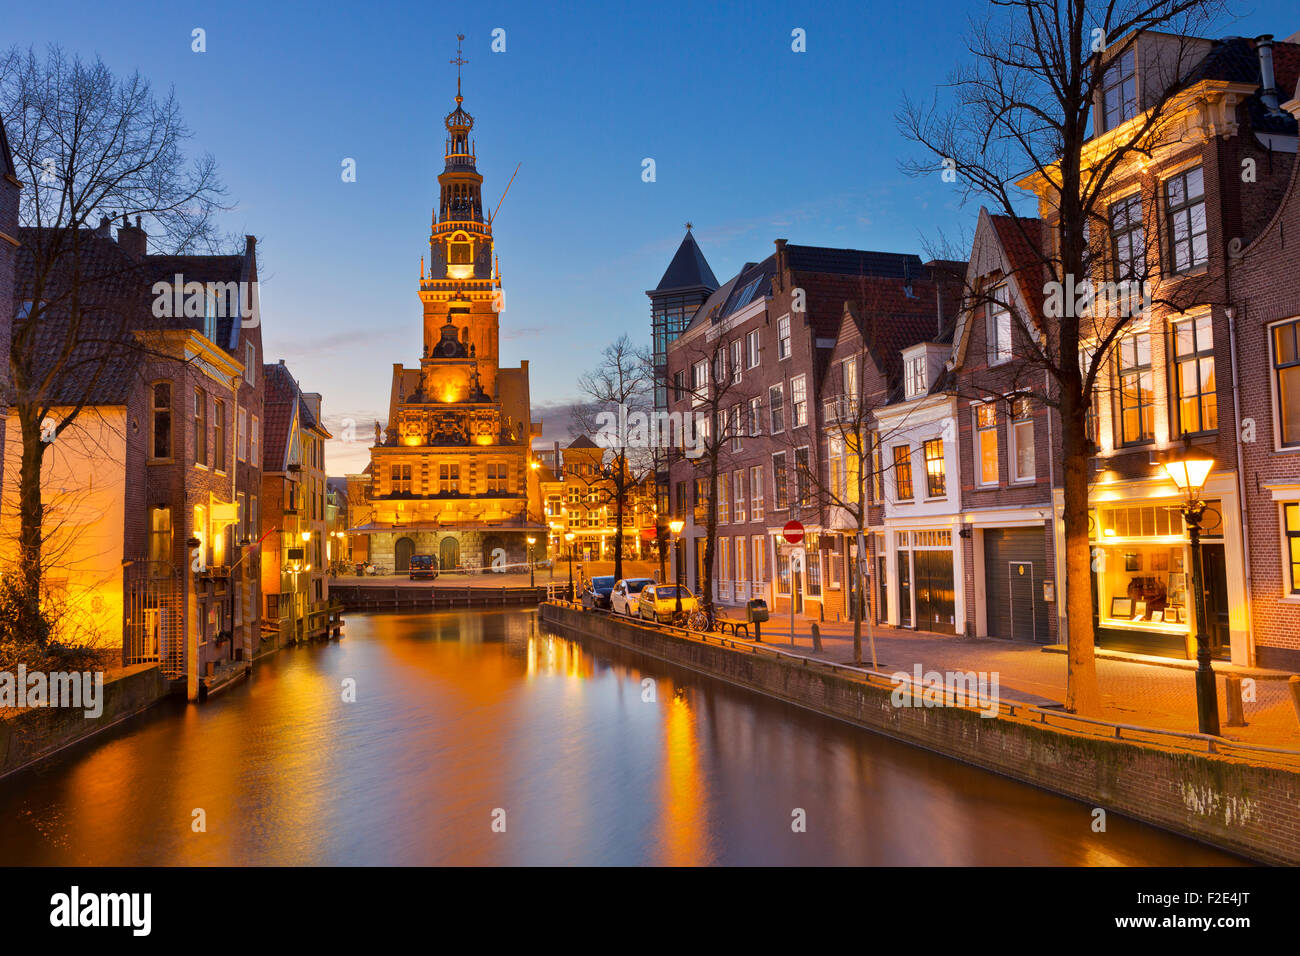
(153,629)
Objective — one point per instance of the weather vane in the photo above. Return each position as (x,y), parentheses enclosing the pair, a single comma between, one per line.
(689,225)
(458,62)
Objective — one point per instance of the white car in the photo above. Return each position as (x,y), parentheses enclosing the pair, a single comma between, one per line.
(622,600)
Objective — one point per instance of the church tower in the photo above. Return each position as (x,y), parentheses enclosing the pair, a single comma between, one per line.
(461,292)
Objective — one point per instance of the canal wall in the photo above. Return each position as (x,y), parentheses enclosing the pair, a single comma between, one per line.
(33,734)
(1220,799)
(376,597)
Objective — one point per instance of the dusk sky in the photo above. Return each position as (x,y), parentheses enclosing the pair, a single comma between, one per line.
(751,142)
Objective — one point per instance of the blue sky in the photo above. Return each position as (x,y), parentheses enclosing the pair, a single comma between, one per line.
(751,142)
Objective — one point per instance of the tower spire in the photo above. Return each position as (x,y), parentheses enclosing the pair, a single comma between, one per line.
(458,63)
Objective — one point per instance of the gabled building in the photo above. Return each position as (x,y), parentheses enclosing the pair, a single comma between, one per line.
(294,533)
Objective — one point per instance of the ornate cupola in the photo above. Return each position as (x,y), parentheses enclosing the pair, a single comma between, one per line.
(462,186)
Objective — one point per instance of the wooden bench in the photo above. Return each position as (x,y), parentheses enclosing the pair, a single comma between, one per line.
(722,624)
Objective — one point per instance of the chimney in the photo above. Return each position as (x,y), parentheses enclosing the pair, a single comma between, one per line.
(1267,82)
(782,263)
(105,230)
(250,246)
(132,239)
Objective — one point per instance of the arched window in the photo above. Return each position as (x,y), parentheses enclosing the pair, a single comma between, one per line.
(460,251)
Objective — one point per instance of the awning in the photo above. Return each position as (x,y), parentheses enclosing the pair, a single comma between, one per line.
(648,534)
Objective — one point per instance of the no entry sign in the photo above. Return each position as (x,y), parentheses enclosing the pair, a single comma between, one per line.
(792,532)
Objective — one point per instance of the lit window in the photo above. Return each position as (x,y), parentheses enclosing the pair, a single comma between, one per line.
(1022,440)
(916,377)
(738,503)
(1286,370)
(935,479)
(1136,397)
(1291,527)
(903,472)
(160,535)
(724,498)
(1194,375)
(986,442)
(756,493)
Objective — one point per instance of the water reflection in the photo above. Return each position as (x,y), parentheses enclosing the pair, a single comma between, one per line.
(593,755)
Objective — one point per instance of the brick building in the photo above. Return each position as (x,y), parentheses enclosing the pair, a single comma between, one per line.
(1264,282)
(1212,184)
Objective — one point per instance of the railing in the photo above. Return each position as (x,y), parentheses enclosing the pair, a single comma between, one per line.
(1012,710)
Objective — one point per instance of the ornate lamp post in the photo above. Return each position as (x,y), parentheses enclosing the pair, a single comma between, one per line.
(1189,475)
(532,581)
(569,538)
(676,526)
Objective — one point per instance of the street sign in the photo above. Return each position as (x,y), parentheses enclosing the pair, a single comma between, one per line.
(792,532)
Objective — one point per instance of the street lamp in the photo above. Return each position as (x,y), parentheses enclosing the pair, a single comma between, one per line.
(532,582)
(569,538)
(676,526)
(1189,475)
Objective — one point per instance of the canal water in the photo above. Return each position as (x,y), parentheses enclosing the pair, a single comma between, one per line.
(478,738)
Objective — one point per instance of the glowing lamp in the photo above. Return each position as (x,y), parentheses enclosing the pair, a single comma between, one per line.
(306,536)
(676,525)
(1189,475)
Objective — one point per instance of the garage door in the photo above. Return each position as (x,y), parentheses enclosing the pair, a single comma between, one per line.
(1015,566)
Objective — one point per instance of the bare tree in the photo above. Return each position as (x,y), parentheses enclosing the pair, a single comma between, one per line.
(86,143)
(1018,130)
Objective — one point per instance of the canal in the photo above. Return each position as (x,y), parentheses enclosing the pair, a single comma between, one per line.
(467,722)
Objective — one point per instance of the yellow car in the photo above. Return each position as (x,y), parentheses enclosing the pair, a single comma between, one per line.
(658,602)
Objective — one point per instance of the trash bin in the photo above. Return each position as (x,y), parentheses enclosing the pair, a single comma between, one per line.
(756,611)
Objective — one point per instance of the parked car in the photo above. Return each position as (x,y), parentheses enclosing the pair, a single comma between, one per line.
(658,602)
(622,600)
(596,594)
(423,566)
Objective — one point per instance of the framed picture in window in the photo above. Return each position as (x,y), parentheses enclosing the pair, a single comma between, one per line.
(1132,561)
(1140,611)
(1176,559)
(1121,607)
(1159,561)
(1171,615)
(1177,590)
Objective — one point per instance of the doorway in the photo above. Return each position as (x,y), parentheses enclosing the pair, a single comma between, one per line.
(448,554)
(1020,605)
(1214,567)
(935,594)
(905,589)
(402,552)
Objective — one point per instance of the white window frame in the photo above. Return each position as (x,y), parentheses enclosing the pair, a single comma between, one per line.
(753,348)
(784,342)
(1013,447)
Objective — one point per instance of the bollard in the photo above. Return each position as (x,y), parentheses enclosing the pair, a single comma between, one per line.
(1293,685)
(1236,710)
(817,638)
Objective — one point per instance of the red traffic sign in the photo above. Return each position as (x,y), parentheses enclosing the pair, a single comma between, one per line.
(792,532)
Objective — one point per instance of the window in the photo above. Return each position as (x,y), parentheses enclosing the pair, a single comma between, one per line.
(679,385)
(813,571)
(903,472)
(724,559)
(802,477)
(160,535)
(1022,440)
(780,489)
(935,480)
(776,409)
(241,435)
(798,401)
(758,567)
(1185,207)
(735,427)
(999,328)
(783,337)
(162,420)
(916,383)
(782,573)
(254,445)
(200,427)
(1286,371)
(1129,239)
(1135,392)
(738,503)
(496,477)
(401,475)
(756,493)
(724,498)
(1194,375)
(720,364)
(700,381)
(219,433)
(740,560)
(736,346)
(986,443)
(751,349)
(849,381)
(1291,528)
(756,416)
(250,364)
(835,467)
(1119,90)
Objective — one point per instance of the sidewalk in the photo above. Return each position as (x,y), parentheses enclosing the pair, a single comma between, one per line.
(1132,692)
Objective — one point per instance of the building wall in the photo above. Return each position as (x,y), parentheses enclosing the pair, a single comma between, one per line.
(8,251)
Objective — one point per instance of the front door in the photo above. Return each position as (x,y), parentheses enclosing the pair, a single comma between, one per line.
(935,595)
(448,554)
(905,589)
(1020,588)
(1214,568)
(402,554)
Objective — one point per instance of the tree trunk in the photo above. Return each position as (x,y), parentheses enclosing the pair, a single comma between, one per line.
(620,492)
(1082,695)
(31,508)
(859,597)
